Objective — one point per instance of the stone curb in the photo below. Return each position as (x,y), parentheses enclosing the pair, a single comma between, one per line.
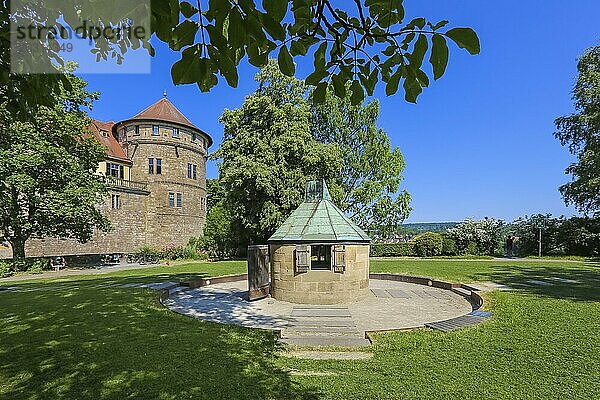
(463,290)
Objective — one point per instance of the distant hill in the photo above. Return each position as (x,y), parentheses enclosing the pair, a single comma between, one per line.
(429,226)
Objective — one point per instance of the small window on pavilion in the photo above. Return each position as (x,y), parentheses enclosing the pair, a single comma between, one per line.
(320,258)
(137,130)
(155,130)
(176,132)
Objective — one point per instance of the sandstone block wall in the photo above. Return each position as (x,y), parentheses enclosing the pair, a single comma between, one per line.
(129,226)
(145,217)
(319,287)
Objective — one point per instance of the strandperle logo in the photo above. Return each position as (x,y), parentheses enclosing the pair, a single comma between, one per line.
(99,37)
(86,31)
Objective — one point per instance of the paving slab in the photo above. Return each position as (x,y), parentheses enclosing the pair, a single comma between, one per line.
(329,355)
(382,293)
(320,312)
(538,282)
(318,325)
(398,294)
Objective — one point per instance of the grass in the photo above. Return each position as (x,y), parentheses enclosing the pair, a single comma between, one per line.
(86,340)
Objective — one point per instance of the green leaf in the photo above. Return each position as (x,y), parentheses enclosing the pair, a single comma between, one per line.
(257,57)
(358,94)
(187,9)
(317,76)
(319,92)
(236,32)
(184,35)
(187,70)
(286,62)
(412,87)
(392,84)
(228,69)
(440,24)
(298,48)
(276,8)
(465,38)
(273,27)
(320,56)
(371,81)
(339,85)
(439,56)
(416,58)
(417,22)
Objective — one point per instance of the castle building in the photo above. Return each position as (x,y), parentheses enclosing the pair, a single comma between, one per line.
(156,167)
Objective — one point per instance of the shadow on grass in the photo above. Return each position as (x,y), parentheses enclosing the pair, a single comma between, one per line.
(577,283)
(88,341)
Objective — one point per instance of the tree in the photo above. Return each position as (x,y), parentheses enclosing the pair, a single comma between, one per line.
(356,42)
(560,236)
(581,132)
(267,155)
(218,236)
(372,169)
(48,185)
(484,234)
(428,244)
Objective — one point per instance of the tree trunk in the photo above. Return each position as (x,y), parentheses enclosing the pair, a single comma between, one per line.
(18,249)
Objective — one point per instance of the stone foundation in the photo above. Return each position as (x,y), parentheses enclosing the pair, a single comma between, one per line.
(319,287)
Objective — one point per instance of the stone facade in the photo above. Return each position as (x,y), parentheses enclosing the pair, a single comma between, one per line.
(319,287)
(146,206)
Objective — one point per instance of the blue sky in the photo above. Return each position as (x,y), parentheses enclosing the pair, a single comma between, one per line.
(480,140)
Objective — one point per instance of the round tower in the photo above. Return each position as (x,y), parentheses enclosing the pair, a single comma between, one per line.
(168,155)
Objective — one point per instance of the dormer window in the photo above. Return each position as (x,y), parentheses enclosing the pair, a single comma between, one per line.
(176,133)
(155,130)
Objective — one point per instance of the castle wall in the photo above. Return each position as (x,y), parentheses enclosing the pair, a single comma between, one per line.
(129,227)
(146,216)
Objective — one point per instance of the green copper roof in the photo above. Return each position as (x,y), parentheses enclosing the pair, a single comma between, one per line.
(318,220)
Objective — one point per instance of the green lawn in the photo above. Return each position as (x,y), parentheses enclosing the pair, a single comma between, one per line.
(82,340)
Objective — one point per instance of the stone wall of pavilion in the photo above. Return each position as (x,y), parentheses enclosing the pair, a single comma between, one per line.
(319,287)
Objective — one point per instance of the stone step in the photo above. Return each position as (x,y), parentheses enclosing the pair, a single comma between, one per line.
(337,330)
(460,322)
(462,292)
(316,322)
(317,341)
(320,312)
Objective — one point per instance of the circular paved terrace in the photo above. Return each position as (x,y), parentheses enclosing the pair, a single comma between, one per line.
(391,306)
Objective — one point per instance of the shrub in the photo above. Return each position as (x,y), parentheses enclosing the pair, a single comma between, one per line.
(471,249)
(194,250)
(6,269)
(485,233)
(428,244)
(392,249)
(148,251)
(38,266)
(448,245)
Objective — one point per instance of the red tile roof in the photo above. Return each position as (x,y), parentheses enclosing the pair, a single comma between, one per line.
(103,133)
(164,110)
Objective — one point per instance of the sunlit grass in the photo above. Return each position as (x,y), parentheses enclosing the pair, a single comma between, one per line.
(87,339)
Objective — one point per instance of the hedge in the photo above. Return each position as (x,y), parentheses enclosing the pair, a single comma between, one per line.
(392,249)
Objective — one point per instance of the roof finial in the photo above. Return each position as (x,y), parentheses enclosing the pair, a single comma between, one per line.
(165,94)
